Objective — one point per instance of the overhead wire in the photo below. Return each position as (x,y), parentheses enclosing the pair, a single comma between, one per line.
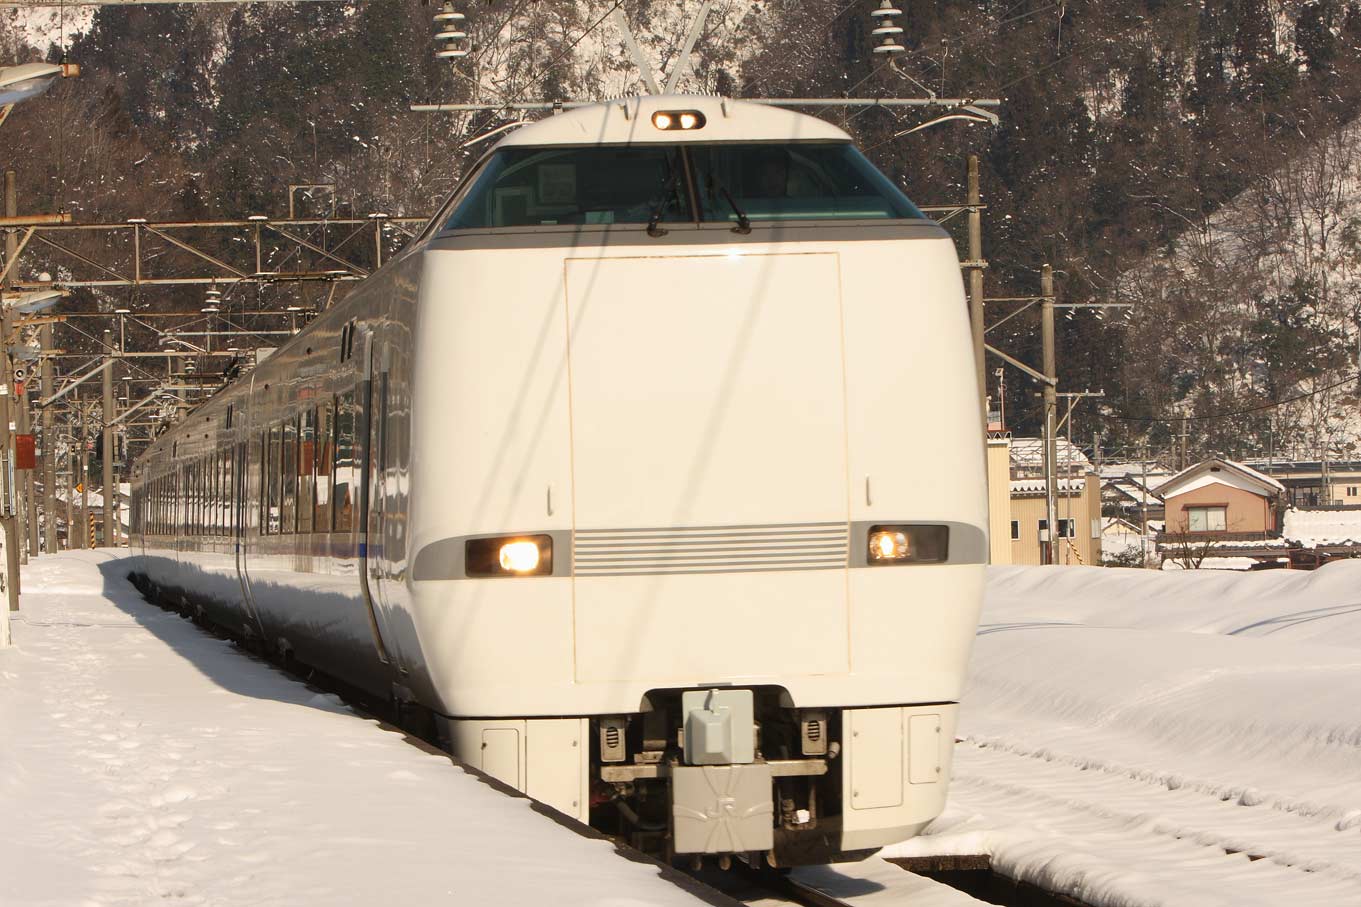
(1238,412)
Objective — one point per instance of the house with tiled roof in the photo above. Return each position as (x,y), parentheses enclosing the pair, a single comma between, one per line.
(1220,508)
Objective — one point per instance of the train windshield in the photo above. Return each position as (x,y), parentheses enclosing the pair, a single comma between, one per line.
(522,187)
(649,184)
(794,182)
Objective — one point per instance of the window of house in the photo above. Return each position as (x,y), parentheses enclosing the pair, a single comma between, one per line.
(1067,529)
(1206,519)
(1351,491)
(1015,530)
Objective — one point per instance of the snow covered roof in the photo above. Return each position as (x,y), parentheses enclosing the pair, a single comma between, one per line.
(1227,472)
(1134,491)
(1322,528)
(1028,453)
(1215,563)
(629,121)
(1021,487)
(1134,470)
(1114,525)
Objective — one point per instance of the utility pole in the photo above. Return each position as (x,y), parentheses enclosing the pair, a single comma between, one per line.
(1143,503)
(30,486)
(976,282)
(1051,442)
(71,458)
(82,529)
(49,446)
(110,488)
(8,522)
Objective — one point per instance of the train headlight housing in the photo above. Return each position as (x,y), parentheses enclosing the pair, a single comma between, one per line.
(678,119)
(888,545)
(509,555)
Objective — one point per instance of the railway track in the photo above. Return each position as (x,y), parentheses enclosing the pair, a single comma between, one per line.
(874,882)
(869,883)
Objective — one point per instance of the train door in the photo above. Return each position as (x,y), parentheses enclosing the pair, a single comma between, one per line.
(373,412)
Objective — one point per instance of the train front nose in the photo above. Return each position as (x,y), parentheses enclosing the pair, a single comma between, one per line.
(709,460)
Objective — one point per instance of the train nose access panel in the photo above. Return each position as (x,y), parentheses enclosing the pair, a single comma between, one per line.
(709,461)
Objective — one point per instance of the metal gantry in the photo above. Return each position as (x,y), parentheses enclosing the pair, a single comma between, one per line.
(261,279)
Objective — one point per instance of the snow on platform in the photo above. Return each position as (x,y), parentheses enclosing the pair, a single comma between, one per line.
(1141,738)
(142,760)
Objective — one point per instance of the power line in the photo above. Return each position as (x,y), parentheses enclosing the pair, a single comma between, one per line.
(1238,412)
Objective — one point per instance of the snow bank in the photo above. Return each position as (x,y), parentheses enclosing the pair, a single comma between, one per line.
(1132,737)
(143,760)
(1319,606)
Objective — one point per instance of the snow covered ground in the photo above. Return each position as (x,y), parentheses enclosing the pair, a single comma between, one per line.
(143,760)
(1142,738)
(1130,737)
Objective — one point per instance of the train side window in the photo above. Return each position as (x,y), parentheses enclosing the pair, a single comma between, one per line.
(289,474)
(262,480)
(218,486)
(325,456)
(229,491)
(346,478)
(272,479)
(220,498)
(307,455)
(205,507)
(209,489)
(192,515)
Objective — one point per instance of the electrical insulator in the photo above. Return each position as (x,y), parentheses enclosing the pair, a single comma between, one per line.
(450,34)
(886,29)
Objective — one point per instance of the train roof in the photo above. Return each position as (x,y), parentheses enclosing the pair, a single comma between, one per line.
(628,121)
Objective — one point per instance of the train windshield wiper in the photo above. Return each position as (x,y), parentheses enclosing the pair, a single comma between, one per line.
(743,222)
(660,207)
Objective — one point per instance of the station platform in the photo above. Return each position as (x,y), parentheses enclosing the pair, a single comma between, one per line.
(142,760)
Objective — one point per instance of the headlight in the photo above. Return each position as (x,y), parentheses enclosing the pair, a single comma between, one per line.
(908,545)
(509,555)
(678,119)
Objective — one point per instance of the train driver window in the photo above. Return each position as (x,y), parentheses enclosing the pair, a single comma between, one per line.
(794,181)
(522,187)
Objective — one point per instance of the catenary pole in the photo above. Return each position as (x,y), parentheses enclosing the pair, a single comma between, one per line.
(30,483)
(1051,444)
(976,280)
(83,478)
(8,521)
(48,419)
(110,489)
(72,458)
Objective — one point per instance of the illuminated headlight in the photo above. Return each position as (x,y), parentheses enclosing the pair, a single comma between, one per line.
(509,555)
(908,545)
(678,119)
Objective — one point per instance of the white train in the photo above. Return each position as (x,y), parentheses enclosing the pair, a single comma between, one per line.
(652,469)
